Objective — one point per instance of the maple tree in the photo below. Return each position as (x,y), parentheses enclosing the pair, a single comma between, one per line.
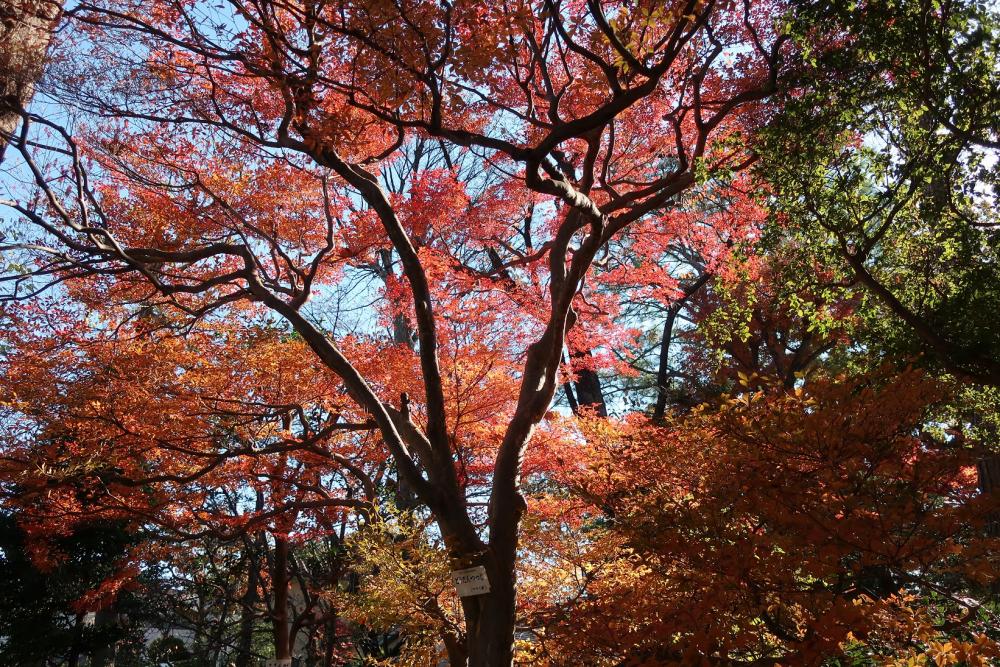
(288,264)
(207,448)
(740,533)
(294,97)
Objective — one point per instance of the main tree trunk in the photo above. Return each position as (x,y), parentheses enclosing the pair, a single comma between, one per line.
(489,618)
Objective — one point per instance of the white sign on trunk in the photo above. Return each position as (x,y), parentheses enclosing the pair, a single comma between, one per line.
(471,581)
(278,662)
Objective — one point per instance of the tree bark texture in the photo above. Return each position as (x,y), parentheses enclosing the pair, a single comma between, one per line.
(25,32)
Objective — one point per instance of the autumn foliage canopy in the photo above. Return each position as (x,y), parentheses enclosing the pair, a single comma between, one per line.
(678,319)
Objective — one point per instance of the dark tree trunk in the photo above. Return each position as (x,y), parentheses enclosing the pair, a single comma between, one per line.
(588,384)
(589,393)
(76,649)
(489,618)
(331,639)
(248,611)
(456,649)
(104,655)
(988,468)
(663,367)
(281,580)
(402,334)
